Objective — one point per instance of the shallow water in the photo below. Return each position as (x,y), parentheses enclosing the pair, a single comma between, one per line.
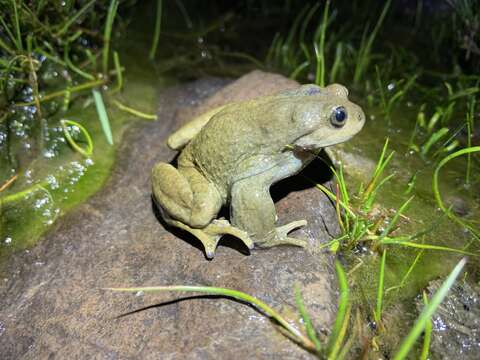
(60,178)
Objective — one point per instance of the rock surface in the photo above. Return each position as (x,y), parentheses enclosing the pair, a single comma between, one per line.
(51,302)
(456,323)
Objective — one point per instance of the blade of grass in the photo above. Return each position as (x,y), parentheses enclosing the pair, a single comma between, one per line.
(438,197)
(73,67)
(400,241)
(395,218)
(9,182)
(112,11)
(8,31)
(470,128)
(103,116)
(407,274)
(73,89)
(336,338)
(22,194)
(156,32)
(87,152)
(379,168)
(434,138)
(320,49)
(381,277)
(134,112)
(366,47)
(17,25)
(337,62)
(118,71)
(74,18)
(428,312)
(306,320)
(427,335)
(293,331)
(5,47)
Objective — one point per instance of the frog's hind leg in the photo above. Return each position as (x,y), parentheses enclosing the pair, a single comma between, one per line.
(185,194)
(212,233)
(190,202)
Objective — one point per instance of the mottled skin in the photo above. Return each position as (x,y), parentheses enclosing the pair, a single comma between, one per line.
(233,154)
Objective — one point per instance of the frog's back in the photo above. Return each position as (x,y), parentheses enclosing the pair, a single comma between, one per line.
(239,132)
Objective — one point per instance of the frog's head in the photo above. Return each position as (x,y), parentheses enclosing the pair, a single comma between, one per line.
(326,116)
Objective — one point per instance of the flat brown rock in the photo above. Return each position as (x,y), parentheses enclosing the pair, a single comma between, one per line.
(51,302)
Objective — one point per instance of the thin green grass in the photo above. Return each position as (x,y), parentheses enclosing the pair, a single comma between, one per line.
(320,48)
(380,289)
(427,335)
(390,102)
(103,116)
(364,53)
(342,319)
(112,11)
(135,112)
(74,89)
(438,197)
(238,295)
(18,33)
(470,126)
(74,18)
(88,150)
(307,321)
(156,32)
(118,71)
(335,344)
(356,224)
(428,312)
(407,274)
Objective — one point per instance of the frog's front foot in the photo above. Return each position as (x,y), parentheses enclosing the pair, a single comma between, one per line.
(211,234)
(281,236)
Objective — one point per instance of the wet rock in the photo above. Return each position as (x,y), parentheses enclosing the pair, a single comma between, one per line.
(51,302)
(458,205)
(456,324)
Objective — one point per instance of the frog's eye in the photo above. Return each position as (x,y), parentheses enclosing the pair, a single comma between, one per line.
(338,116)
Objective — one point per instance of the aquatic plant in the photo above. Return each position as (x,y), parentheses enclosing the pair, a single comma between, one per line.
(359,224)
(49,51)
(87,152)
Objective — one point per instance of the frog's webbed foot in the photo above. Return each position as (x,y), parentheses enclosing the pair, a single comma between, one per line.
(212,233)
(281,236)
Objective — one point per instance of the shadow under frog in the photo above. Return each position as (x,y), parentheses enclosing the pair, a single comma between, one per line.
(232,155)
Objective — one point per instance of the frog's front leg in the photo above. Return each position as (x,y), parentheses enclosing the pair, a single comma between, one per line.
(252,208)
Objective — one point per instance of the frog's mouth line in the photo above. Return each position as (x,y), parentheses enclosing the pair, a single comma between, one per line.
(316,147)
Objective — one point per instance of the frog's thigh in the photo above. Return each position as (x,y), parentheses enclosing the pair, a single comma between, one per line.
(185,194)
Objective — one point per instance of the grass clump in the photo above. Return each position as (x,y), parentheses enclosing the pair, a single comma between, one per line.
(49,55)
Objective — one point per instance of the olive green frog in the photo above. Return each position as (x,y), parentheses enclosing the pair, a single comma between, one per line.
(234,153)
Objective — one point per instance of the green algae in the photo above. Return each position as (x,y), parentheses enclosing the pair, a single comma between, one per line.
(56,181)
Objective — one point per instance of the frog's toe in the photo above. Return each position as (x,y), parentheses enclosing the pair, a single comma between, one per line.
(283,230)
(283,241)
(281,236)
(223,227)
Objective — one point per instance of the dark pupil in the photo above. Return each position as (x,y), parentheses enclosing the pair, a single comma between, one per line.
(339,114)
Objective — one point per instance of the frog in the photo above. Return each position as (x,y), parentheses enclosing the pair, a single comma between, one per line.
(232,155)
